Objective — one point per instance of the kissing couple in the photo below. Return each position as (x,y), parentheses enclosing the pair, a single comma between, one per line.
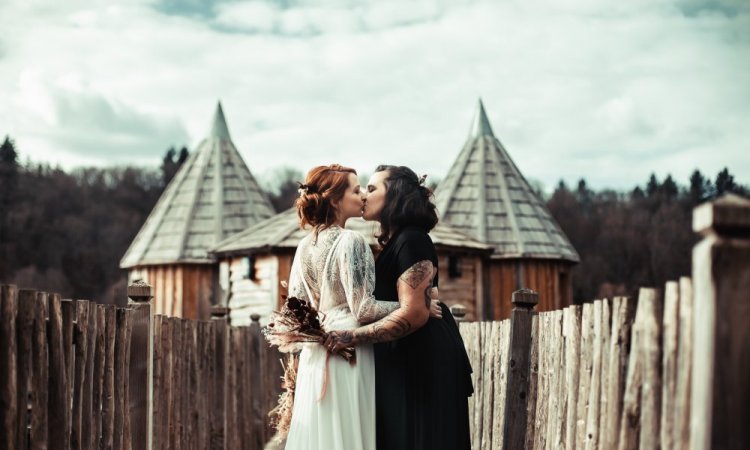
(409,387)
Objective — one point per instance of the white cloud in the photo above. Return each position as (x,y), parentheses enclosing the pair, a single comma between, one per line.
(573,89)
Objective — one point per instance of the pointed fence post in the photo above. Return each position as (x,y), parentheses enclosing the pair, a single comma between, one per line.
(720,398)
(141,390)
(517,386)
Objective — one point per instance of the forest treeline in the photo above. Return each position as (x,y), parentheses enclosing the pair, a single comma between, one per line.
(65,231)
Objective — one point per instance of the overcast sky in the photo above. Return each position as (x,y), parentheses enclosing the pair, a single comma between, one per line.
(606,90)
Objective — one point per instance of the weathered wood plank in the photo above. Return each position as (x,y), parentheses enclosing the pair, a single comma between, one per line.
(491,374)
(572,336)
(218,382)
(122,436)
(669,363)
(9,403)
(651,389)
(631,421)
(555,412)
(233,439)
(500,337)
(176,400)
(158,384)
(167,393)
(604,383)
(58,382)
(592,418)
(81,354)
(192,410)
(108,384)
(204,351)
(68,308)
(584,375)
(681,429)
(140,371)
(255,407)
(99,356)
(623,312)
(478,385)
(540,437)
(87,409)
(39,374)
(533,384)
(184,383)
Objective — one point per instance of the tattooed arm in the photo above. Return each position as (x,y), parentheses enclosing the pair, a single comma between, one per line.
(413,288)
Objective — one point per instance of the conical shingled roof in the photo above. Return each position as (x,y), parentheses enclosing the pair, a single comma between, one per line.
(211,197)
(486,197)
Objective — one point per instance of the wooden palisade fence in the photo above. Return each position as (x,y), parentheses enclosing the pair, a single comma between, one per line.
(78,372)
(668,370)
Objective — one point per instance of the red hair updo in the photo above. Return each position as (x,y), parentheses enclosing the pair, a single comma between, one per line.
(323,186)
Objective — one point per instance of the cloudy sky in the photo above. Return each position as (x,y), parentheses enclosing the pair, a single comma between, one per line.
(606,90)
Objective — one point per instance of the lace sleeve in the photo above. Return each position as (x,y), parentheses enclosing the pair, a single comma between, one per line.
(357,271)
(296,286)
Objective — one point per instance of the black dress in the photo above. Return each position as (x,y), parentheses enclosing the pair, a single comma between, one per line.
(423,381)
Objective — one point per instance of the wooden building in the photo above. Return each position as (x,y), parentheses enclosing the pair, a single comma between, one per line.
(486,197)
(211,197)
(254,262)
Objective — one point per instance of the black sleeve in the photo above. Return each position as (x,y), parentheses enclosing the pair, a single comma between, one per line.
(414,245)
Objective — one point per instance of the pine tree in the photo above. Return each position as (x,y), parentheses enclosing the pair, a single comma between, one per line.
(652,187)
(8,184)
(169,166)
(8,154)
(184,153)
(699,188)
(8,171)
(725,182)
(668,188)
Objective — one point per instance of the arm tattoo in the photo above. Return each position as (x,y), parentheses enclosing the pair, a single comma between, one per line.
(416,274)
(371,310)
(345,337)
(395,326)
(387,329)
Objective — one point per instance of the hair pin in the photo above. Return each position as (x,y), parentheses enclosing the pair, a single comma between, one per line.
(303,188)
(422,179)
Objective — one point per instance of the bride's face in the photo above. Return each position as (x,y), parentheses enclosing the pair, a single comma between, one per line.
(351,203)
(375,196)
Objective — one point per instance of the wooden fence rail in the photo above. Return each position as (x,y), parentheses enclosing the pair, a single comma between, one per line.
(666,370)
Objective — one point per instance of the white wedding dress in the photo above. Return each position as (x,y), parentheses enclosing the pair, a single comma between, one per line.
(336,272)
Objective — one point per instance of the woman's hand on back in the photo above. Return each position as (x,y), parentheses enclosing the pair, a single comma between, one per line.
(436,310)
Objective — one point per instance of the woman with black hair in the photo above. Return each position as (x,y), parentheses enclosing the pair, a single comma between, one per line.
(422,372)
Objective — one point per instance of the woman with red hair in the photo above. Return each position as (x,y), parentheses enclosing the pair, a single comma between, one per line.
(334,270)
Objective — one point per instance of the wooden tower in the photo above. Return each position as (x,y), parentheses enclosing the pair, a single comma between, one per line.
(211,197)
(485,196)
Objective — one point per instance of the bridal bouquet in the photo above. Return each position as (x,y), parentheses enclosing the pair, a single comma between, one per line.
(298,322)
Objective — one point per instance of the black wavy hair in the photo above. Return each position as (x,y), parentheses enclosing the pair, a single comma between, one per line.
(407,203)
